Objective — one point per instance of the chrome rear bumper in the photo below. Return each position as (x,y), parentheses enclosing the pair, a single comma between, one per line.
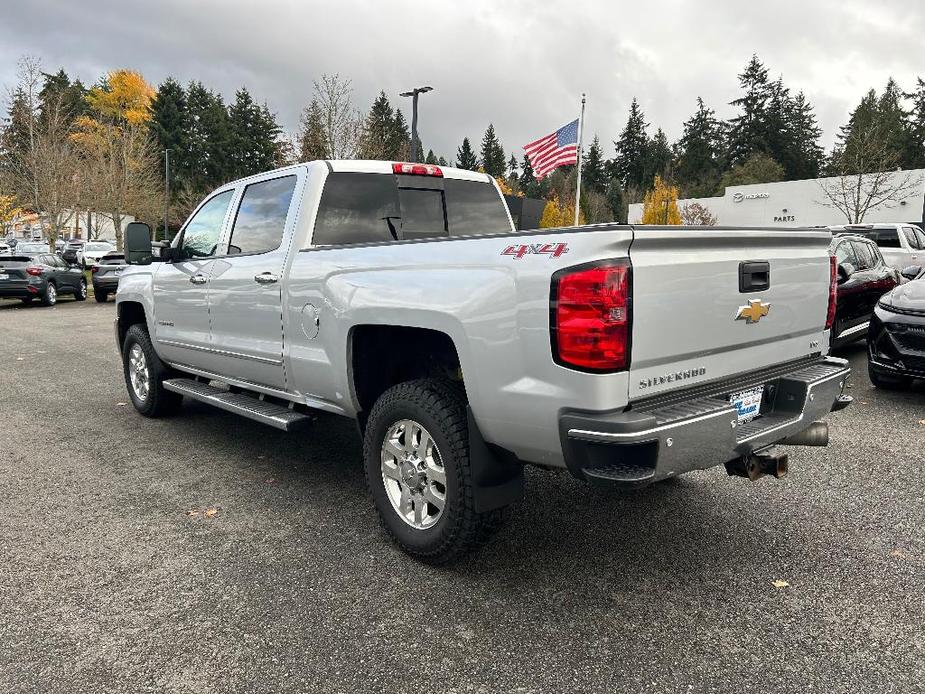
(700,432)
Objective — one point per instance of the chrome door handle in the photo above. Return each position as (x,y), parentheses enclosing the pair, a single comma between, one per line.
(266,278)
(198,279)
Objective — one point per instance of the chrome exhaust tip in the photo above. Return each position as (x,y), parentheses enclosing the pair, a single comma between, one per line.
(816,434)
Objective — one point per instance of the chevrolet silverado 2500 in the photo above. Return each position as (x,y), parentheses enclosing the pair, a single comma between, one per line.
(400,295)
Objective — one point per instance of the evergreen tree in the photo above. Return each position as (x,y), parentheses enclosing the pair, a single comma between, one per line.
(616,201)
(916,125)
(492,153)
(311,145)
(431,157)
(527,181)
(254,134)
(465,157)
(699,151)
(169,128)
(209,139)
(748,130)
(14,139)
(593,167)
(442,162)
(400,140)
(512,167)
(629,166)
(857,135)
(658,158)
(807,155)
(892,118)
(72,95)
(379,134)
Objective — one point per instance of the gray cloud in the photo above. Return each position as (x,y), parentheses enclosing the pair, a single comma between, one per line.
(521,65)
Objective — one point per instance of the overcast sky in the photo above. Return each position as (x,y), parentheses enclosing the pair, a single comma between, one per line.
(521,65)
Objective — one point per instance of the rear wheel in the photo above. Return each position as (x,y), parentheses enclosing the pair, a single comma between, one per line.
(81,293)
(101,296)
(50,295)
(145,374)
(416,451)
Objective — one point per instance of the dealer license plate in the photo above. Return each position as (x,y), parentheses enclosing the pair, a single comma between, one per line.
(747,403)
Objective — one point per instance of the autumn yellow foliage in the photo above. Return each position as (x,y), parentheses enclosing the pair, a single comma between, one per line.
(8,211)
(556,214)
(504,186)
(660,205)
(123,96)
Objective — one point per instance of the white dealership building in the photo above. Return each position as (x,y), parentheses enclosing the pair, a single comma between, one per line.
(805,203)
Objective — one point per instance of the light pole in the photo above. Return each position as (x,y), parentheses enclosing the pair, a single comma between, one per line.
(414,117)
(166,188)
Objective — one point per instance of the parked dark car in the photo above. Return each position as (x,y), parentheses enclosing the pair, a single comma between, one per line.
(896,341)
(70,250)
(106,275)
(863,277)
(43,276)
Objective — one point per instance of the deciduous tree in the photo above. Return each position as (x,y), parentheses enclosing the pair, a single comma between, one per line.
(660,205)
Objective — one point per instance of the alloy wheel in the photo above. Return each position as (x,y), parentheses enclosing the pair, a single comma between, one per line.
(413,474)
(138,372)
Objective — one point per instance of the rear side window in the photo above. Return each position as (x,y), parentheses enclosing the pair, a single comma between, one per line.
(844,253)
(261,219)
(368,208)
(865,257)
(911,237)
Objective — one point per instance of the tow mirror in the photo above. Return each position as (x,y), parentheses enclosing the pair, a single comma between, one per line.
(911,272)
(138,244)
(845,270)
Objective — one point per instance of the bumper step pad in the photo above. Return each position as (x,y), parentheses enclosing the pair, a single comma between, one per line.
(624,474)
(262,411)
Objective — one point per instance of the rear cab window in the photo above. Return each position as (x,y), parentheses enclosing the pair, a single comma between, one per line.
(376,208)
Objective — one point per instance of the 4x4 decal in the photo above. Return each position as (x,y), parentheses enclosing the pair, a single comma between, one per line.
(553,250)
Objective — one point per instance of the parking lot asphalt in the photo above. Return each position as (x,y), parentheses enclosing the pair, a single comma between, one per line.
(207,553)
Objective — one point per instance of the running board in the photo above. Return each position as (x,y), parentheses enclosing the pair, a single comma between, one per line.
(245,405)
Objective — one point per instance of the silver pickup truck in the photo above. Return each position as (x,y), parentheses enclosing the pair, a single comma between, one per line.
(401,296)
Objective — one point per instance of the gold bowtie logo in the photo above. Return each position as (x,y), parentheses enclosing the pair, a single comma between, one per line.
(753,312)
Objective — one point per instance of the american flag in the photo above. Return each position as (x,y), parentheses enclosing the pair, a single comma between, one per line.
(555,150)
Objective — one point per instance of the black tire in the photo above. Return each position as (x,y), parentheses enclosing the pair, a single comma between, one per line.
(440,407)
(101,296)
(50,295)
(158,401)
(886,382)
(80,294)
(27,300)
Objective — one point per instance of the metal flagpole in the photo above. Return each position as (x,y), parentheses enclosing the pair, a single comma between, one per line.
(581,123)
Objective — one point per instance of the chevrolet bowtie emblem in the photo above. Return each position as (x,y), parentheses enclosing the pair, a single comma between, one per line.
(753,312)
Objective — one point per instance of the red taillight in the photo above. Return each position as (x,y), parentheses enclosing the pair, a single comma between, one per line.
(94,269)
(591,317)
(417,170)
(833,292)
(34,271)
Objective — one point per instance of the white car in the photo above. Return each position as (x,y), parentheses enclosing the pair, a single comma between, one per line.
(5,249)
(93,251)
(901,245)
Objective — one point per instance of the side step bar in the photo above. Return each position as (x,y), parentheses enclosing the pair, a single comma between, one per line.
(248,406)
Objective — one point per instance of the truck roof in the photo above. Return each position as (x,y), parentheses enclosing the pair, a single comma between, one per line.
(385,167)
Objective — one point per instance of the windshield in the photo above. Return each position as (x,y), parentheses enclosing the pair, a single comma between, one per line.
(885,238)
(32,248)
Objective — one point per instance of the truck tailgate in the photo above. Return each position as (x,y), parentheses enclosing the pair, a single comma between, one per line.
(692,322)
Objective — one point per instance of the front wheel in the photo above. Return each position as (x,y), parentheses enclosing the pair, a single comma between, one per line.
(145,374)
(416,458)
(101,296)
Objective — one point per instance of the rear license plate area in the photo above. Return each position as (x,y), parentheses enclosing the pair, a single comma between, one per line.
(747,403)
